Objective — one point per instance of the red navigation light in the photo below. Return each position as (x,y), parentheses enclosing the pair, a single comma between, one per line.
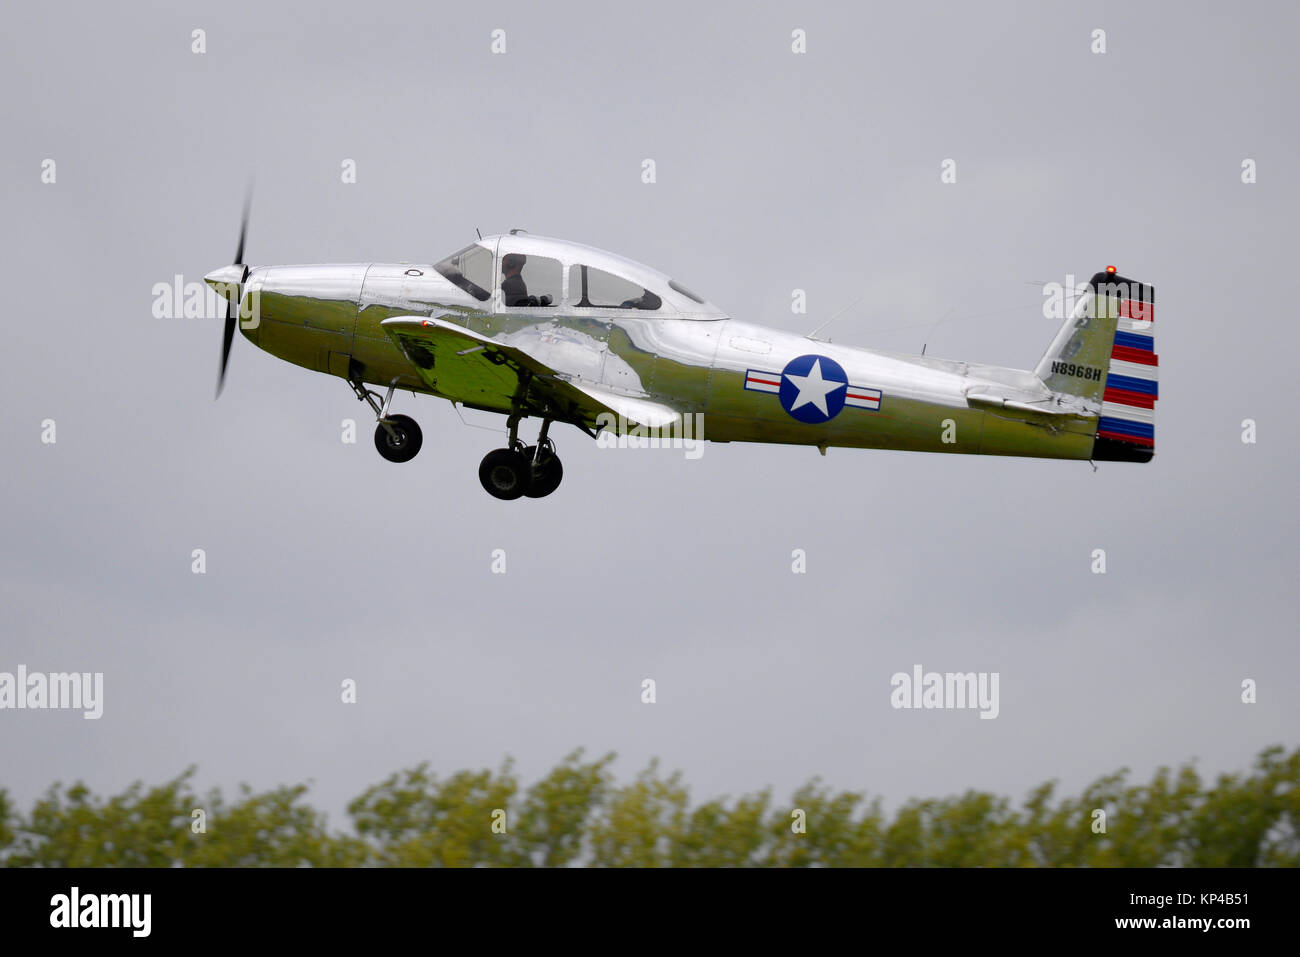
(1111,270)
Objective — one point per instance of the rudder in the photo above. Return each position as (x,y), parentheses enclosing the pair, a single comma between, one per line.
(1105,354)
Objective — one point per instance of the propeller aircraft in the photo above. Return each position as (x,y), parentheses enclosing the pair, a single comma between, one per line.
(530,326)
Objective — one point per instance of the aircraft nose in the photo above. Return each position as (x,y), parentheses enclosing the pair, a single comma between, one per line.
(226,281)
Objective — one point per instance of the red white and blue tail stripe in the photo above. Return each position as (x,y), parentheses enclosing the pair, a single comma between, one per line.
(1126,427)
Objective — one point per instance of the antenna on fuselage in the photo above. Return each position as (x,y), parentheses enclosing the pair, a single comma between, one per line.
(479,231)
(934,327)
(813,334)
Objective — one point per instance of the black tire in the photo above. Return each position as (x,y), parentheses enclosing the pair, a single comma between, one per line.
(546,476)
(406,445)
(504,474)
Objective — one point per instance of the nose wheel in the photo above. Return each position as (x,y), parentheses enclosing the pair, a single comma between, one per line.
(399,439)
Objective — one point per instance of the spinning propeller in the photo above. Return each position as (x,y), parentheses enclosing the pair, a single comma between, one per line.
(229,280)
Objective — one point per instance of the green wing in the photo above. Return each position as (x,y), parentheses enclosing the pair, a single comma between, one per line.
(467,367)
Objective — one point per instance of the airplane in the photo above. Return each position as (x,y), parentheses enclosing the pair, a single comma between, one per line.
(531,326)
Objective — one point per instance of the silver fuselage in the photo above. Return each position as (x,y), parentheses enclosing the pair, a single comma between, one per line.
(327,318)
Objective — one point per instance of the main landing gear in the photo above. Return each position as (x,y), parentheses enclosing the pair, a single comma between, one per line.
(531,470)
(397,437)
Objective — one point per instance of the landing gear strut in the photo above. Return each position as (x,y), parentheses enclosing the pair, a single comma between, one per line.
(546,468)
(532,470)
(397,437)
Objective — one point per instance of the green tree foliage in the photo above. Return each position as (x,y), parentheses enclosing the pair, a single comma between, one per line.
(579,815)
(159,828)
(6,814)
(396,818)
(557,813)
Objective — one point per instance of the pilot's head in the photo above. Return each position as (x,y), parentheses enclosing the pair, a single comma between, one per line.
(513,263)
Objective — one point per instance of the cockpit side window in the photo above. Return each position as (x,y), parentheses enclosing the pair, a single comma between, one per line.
(471,270)
(589,286)
(530,280)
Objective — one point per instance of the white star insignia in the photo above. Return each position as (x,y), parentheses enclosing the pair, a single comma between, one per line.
(813,388)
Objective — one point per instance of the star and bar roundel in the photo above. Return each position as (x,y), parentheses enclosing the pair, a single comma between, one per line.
(813,389)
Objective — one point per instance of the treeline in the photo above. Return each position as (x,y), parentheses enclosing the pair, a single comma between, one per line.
(579,815)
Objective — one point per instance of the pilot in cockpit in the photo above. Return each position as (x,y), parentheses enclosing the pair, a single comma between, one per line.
(513,288)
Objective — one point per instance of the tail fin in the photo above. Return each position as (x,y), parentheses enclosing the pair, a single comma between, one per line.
(1105,354)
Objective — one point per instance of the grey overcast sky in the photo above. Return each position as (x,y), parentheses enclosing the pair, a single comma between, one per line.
(775,171)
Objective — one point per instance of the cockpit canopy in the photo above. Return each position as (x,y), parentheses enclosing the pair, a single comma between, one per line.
(538,273)
(470,269)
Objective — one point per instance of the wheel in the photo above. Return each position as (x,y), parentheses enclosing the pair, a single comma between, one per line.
(504,473)
(403,446)
(546,476)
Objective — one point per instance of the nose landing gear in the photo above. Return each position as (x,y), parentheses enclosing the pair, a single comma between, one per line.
(397,437)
